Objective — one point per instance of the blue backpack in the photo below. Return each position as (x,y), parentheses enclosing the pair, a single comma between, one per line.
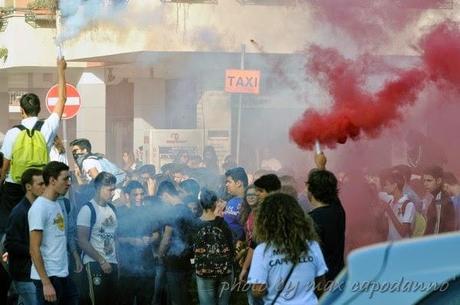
(109,167)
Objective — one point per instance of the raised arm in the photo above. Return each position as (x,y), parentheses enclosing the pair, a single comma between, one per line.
(165,241)
(59,108)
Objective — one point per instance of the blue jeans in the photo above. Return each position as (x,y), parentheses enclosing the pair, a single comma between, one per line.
(178,287)
(66,291)
(159,293)
(27,292)
(214,291)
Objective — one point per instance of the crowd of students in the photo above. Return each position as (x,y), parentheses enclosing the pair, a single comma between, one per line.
(151,247)
(398,202)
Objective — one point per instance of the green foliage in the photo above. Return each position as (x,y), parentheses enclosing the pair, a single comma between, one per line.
(3,54)
(44,4)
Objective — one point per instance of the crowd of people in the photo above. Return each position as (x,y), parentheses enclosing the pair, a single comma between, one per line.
(192,231)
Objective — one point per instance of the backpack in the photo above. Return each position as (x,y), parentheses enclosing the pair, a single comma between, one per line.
(213,255)
(29,150)
(92,221)
(109,167)
(419,227)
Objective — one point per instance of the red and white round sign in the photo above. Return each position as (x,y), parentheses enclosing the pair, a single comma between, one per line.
(72,105)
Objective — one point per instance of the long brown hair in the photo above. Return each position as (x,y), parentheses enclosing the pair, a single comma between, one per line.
(245,207)
(281,223)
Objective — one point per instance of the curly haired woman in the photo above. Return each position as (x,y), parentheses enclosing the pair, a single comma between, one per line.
(287,264)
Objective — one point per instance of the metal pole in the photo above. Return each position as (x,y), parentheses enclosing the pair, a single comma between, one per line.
(240,102)
(64,132)
(64,135)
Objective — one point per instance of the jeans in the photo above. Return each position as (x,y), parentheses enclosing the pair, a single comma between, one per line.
(214,291)
(27,293)
(66,291)
(103,287)
(178,287)
(159,292)
(136,287)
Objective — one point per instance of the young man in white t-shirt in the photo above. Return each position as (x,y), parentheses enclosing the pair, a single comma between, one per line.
(400,210)
(48,243)
(29,103)
(96,227)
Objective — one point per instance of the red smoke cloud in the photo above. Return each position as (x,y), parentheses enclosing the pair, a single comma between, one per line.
(356,111)
(441,53)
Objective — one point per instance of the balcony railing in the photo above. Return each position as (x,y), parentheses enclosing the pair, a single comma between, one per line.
(41,18)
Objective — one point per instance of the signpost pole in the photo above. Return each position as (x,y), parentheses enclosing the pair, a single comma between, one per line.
(64,133)
(240,102)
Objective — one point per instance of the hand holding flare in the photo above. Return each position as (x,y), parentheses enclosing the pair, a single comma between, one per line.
(320,158)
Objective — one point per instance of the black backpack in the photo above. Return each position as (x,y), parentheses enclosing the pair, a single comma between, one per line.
(213,254)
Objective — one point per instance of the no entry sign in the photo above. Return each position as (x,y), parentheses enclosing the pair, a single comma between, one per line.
(72,105)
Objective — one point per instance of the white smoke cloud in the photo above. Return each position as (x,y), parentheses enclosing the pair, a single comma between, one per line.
(78,15)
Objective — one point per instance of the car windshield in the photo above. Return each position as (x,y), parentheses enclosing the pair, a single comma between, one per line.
(334,290)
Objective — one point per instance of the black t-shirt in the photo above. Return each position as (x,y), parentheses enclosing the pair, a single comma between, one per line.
(134,222)
(330,225)
(184,225)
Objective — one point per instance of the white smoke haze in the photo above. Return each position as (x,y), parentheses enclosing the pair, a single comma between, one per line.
(79,15)
(355,28)
(287,89)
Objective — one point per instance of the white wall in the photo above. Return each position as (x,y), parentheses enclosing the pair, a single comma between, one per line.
(149,107)
(91,119)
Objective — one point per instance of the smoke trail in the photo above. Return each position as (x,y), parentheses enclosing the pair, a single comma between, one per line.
(79,15)
(356,111)
(277,67)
